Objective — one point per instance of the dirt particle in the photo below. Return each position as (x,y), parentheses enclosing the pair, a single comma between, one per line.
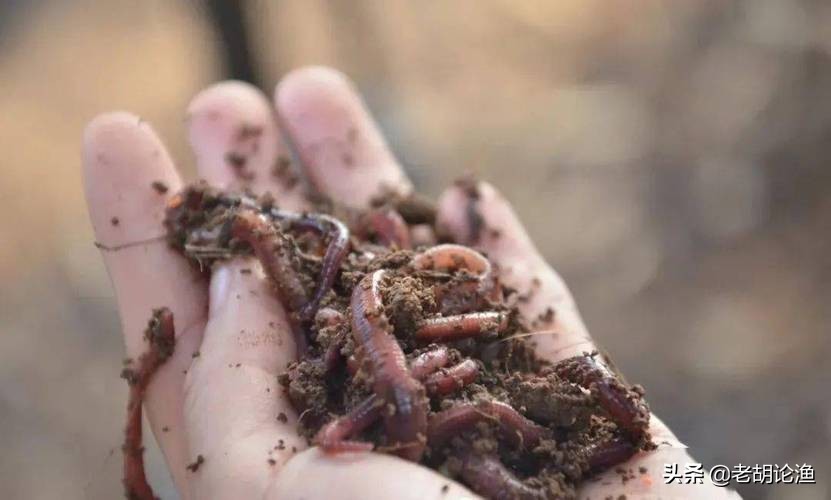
(115,221)
(239,162)
(193,467)
(283,172)
(195,354)
(281,417)
(272,462)
(159,186)
(475,222)
(445,488)
(248,131)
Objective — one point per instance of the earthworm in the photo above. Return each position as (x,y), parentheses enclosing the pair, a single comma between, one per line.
(274,252)
(415,209)
(357,419)
(424,364)
(406,423)
(601,456)
(449,257)
(626,410)
(336,251)
(446,381)
(490,478)
(462,326)
(389,227)
(429,361)
(161,337)
(332,356)
(327,316)
(451,422)
(333,437)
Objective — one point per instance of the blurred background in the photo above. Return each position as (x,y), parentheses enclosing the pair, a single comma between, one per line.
(669,158)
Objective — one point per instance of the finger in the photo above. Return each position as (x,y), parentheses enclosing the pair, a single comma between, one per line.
(238,417)
(369,476)
(341,148)
(558,330)
(495,229)
(233,133)
(645,479)
(128,178)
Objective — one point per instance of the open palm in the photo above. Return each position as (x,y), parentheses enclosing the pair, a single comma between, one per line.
(218,396)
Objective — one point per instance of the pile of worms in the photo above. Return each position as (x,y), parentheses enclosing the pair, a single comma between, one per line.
(411,346)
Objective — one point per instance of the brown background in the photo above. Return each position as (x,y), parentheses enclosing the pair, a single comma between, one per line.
(669,157)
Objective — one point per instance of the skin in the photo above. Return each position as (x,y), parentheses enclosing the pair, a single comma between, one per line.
(222,404)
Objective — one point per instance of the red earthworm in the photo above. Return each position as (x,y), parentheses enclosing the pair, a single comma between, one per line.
(352,365)
(423,365)
(406,423)
(429,361)
(389,228)
(327,316)
(486,475)
(601,456)
(330,437)
(161,336)
(449,257)
(274,252)
(332,357)
(448,423)
(625,408)
(462,326)
(336,251)
(333,436)
(446,381)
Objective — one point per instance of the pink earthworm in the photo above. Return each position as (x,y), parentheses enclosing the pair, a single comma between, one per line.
(406,422)
(451,422)
(623,406)
(160,334)
(389,228)
(274,252)
(449,257)
(486,475)
(601,456)
(462,326)
(446,381)
(336,251)
(366,412)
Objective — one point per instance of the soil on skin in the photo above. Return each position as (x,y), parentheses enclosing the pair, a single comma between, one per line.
(509,372)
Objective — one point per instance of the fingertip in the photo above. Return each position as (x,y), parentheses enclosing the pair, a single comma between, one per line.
(319,84)
(341,148)
(232,131)
(128,177)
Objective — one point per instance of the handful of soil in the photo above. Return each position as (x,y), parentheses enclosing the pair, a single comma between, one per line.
(414,348)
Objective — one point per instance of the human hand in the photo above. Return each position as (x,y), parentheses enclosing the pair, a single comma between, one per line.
(223,403)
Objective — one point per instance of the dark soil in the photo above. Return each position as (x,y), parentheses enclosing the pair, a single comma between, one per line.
(586,419)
